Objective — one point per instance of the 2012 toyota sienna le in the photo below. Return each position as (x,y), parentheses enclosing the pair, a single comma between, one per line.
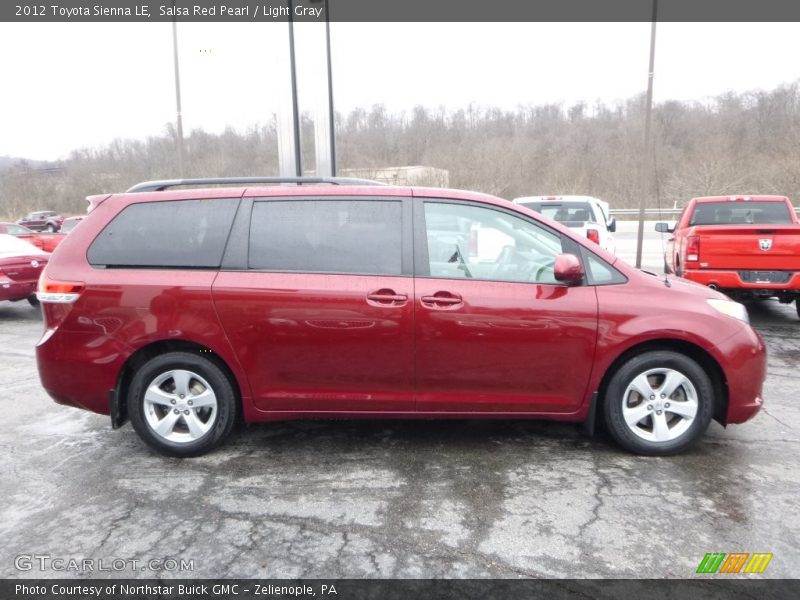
(185,309)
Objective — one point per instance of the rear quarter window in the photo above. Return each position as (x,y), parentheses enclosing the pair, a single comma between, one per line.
(181,233)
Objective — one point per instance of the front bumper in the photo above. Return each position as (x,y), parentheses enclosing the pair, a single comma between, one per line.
(744,362)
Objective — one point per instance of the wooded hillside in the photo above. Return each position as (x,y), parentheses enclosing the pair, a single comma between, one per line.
(736,143)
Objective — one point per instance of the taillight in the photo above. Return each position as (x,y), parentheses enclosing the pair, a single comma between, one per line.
(593,235)
(692,248)
(58,292)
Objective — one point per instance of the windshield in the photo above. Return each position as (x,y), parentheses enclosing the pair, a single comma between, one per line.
(572,213)
(726,212)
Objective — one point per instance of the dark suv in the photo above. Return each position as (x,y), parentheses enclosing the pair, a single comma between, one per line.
(183,309)
(43,220)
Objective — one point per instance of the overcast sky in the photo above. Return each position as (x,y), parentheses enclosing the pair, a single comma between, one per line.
(69,85)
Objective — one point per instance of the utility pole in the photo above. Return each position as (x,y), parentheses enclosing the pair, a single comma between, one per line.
(645,180)
(177,91)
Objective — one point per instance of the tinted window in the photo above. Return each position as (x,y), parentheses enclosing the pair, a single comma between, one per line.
(473,242)
(327,236)
(741,213)
(184,233)
(563,212)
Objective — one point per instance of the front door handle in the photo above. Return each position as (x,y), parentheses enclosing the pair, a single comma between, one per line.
(442,300)
(386,297)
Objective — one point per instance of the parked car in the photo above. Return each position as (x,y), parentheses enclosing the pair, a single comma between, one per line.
(588,216)
(43,241)
(42,220)
(21,263)
(746,246)
(22,233)
(183,309)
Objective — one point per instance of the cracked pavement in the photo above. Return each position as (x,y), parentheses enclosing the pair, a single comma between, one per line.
(404,499)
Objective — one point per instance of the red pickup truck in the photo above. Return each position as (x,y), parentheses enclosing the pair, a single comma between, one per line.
(745,246)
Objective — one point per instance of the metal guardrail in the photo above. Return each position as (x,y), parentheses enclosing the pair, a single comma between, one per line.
(624,212)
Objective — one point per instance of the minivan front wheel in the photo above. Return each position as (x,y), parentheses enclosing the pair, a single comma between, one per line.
(659,403)
(181,404)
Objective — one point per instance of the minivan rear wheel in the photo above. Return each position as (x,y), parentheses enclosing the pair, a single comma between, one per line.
(658,403)
(181,404)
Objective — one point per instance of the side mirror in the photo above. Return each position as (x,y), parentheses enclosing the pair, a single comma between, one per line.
(568,269)
(612,224)
(665,228)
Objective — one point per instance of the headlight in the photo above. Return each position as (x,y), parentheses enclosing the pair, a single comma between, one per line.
(730,308)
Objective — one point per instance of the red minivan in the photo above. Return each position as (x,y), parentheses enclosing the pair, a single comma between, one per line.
(183,307)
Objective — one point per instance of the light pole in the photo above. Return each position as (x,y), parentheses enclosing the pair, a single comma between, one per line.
(646,154)
(324,125)
(177,90)
(298,158)
(288,122)
(331,115)
(288,117)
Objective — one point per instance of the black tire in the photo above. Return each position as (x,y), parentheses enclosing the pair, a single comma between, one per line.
(686,432)
(51,228)
(797,306)
(33,300)
(143,413)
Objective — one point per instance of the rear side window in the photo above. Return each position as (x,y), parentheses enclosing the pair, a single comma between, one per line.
(181,233)
(570,214)
(327,236)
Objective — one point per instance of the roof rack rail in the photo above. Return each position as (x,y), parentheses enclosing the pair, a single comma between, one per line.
(160,186)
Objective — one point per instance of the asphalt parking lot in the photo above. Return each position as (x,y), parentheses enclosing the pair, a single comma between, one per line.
(394,499)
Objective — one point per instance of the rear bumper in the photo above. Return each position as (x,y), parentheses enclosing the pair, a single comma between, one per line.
(78,369)
(745,367)
(14,290)
(731,280)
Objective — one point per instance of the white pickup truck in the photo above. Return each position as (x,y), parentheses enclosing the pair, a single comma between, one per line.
(587,215)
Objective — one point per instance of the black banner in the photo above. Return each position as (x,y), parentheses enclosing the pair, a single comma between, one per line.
(402,589)
(397,10)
